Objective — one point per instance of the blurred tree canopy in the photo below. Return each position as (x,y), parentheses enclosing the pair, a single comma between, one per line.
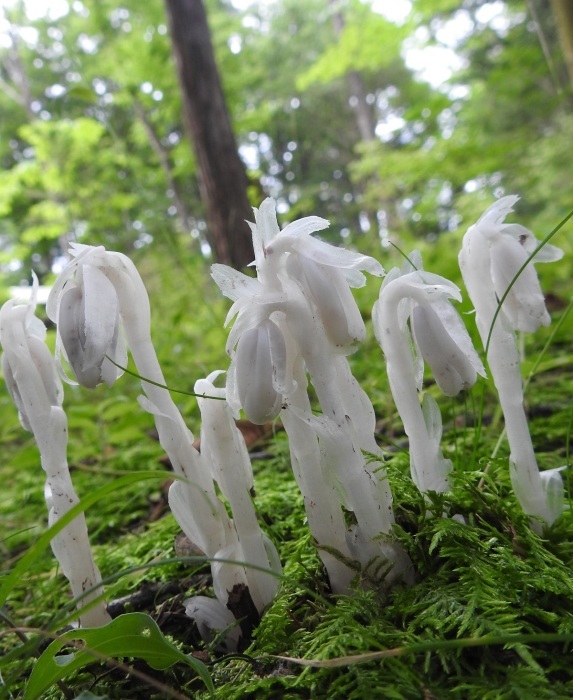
(330,108)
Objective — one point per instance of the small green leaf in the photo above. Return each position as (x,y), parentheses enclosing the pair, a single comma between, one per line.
(436,540)
(86,695)
(133,635)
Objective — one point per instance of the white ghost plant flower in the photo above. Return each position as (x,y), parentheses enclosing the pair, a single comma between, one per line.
(505,249)
(492,254)
(261,351)
(84,304)
(302,277)
(107,299)
(299,316)
(414,321)
(33,382)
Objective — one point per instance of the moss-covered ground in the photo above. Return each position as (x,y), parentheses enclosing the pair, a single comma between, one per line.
(490,596)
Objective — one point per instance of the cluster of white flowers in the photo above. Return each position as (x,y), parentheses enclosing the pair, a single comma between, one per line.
(299,316)
(101,306)
(295,322)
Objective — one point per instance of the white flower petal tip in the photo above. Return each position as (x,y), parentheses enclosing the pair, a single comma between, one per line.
(232,283)
(495,214)
(214,622)
(554,489)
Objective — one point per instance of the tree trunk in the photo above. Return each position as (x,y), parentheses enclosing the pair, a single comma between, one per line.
(222,176)
(362,110)
(563,13)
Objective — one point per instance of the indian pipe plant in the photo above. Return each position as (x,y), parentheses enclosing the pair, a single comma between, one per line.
(294,326)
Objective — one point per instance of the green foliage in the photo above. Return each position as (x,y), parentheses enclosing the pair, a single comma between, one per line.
(130,635)
(367,43)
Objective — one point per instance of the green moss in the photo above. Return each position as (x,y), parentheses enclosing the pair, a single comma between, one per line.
(488,576)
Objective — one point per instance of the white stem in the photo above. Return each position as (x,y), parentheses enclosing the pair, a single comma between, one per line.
(321,499)
(427,473)
(210,522)
(71,546)
(503,360)
(223,447)
(361,486)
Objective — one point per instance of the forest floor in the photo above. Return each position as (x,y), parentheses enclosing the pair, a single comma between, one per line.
(489,616)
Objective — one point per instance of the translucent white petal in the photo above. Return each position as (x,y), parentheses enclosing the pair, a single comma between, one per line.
(34,326)
(455,328)
(552,483)
(44,361)
(213,619)
(494,216)
(451,368)
(100,316)
(549,253)
(432,284)
(302,228)
(81,254)
(332,296)
(118,353)
(330,255)
(278,352)
(70,325)
(250,316)
(232,283)
(232,389)
(524,306)
(265,230)
(13,390)
(226,574)
(254,367)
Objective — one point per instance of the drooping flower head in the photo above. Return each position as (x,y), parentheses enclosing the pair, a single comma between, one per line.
(437,334)
(85,306)
(414,321)
(27,364)
(492,257)
(297,275)
(493,252)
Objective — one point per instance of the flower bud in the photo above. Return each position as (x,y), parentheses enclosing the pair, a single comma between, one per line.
(258,351)
(88,325)
(452,368)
